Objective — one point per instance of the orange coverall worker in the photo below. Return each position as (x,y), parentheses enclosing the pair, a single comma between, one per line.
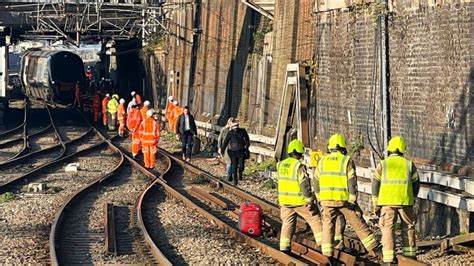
(95,107)
(149,136)
(169,109)
(143,111)
(105,101)
(177,111)
(134,120)
(121,115)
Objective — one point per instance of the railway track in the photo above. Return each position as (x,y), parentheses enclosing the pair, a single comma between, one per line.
(15,172)
(232,194)
(26,219)
(175,172)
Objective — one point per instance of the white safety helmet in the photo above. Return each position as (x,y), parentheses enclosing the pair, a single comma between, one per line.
(107,95)
(175,102)
(133,93)
(149,113)
(122,101)
(146,103)
(170,98)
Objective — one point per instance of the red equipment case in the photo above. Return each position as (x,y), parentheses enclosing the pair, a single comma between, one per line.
(250,219)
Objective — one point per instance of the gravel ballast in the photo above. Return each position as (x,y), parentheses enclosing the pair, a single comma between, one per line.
(25,222)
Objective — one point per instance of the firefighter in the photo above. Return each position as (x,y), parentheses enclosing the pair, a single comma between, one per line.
(311,165)
(121,116)
(134,119)
(105,101)
(136,97)
(112,107)
(169,110)
(294,195)
(145,108)
(95,106)
(149,136)
(336,189)
(177,111)
(394,188)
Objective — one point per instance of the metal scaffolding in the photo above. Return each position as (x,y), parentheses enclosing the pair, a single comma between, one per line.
(79,20)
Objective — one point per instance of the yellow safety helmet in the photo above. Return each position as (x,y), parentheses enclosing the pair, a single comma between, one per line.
(335,141)
(115,96)
(295,146)
(397,143)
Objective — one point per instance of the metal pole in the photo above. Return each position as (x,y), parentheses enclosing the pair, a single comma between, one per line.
(384,77)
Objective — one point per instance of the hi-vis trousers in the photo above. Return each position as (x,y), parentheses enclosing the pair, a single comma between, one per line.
(388,217)
(329,215)
(312,217)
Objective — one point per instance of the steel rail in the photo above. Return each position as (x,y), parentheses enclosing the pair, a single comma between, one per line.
(23,135)
(268,207)
(273,209)
(156,253)
(234,233)
(4,134)
(74,198)
(15,140)
(27,176)
(61,145)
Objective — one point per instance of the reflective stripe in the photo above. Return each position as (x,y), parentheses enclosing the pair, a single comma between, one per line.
(409,251)
(338,237)
(318,237)
(332,189)
(284,243)
(369,242)
(395,184)
(388,255)
(327,249)
(289,191)
(333,177)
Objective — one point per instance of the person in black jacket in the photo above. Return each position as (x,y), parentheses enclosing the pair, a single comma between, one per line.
(237,143)
(186,129)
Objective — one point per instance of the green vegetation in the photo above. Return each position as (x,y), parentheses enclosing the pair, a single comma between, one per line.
(268,184)
(5,197)
(259,36)
(200,180)
(168,136)
(268,164)
(356,145)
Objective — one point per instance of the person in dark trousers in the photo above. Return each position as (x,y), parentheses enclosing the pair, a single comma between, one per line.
(237,143)
(186,129)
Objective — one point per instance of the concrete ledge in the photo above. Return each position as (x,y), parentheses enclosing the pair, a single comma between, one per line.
(445,198)
(253,137)
(432,177)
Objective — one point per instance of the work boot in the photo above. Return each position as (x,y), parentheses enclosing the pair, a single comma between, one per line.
(235,181)
(241,175)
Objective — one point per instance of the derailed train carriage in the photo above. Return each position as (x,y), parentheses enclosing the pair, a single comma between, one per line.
(51,75)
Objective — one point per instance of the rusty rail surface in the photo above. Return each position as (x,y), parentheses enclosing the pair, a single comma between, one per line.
(110,237)
(234,233)
(15,140)
(269,208)
(19,157)
(30,175)
(156,253)
(5,134)
(273,210)
(406,261)
(24,134)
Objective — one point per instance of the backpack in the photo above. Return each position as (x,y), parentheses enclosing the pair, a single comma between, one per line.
(236,142)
